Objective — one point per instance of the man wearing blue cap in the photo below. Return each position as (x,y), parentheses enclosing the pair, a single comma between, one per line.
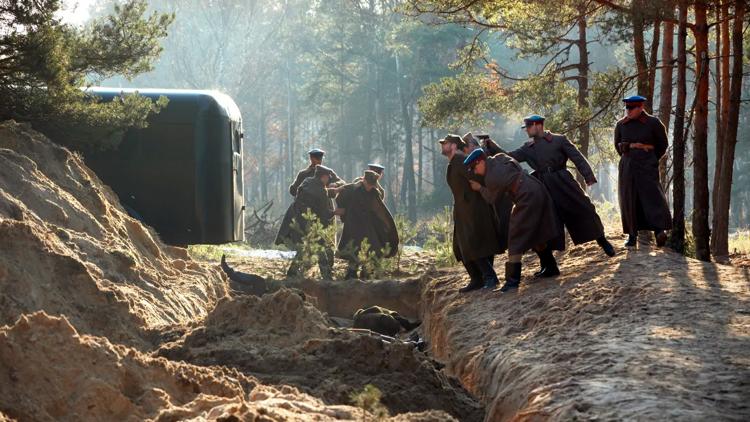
(548,154)
(503,205)
(316,159)
(475,231)
(533,222)
(641,141)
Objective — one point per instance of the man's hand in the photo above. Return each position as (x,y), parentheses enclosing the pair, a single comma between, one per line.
(590,182)
(475,186)
(334,190)
(339,211)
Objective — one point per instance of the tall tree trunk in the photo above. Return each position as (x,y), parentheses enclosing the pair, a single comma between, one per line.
(420,160)
(262,138)
(665,93)
(701,232)
(653,60)
(583,88)
(677,238)
(722,109)
(723,199)
(639,50)
(408,190)
(289,174)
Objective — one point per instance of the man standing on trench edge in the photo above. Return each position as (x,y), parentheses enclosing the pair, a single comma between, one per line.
(475,231)
(548,154)
(533,222)
(641,141)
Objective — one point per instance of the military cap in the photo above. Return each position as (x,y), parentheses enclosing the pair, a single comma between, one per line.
(453,139)
(482,136)
(315,152)
(475,157)
(371,177)
(534,118)
(634,99)
(377,168)
(469,139)
(322,170)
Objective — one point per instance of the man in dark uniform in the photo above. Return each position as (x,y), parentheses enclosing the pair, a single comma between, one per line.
(312,195)
(533,222)
(316,159)
(641,141)
(503,205)
(548,154)
(365,216)
(475,231)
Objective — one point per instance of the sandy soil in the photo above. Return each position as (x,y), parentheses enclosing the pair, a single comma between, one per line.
(87,293)
(645,335)
(89,378)
(282,339)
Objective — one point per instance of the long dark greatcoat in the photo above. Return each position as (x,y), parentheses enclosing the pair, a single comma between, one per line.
(643,205)
(367,217)
(548,155)
(533,221)
(311,195)
(304,174)
(503,205)
(475,228)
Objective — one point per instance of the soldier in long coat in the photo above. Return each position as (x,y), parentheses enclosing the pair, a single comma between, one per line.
(476,238)
(503,205)
(312,195)
(548,154)
(533,222)
(641,141)
(365,216)
(316,159)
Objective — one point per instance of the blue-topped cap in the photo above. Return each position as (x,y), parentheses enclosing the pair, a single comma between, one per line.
(475,156)
(315,152)
(377,168)
(634,99)
(534,118)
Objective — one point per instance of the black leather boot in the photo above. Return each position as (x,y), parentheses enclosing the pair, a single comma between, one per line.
(661,238)
(542,264)
(512,276)
(474,284)
(632,241)
(606,246)
(550,264)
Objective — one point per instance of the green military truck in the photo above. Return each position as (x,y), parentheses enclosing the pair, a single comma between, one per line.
(182,174)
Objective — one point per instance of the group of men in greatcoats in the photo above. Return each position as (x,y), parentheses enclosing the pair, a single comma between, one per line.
(359,205)
(497,206)
(550,199)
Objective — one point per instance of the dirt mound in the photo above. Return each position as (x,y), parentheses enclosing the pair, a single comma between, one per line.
(50,373)
(69,248)
(282,339)
(648,334)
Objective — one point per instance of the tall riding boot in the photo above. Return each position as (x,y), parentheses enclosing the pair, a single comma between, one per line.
(606,246)
(476,281)
(550,264)
(661,238)
(542,264)
(512,276)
